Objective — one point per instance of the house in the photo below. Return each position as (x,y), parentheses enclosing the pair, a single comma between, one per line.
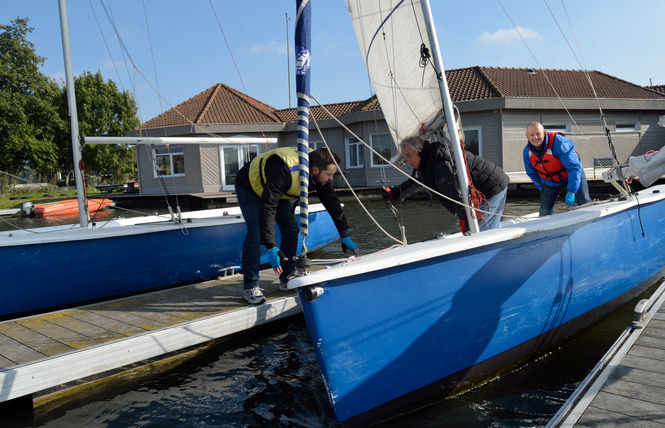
(495,105)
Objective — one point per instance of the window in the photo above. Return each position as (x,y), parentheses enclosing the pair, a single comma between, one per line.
(316,145)
(233,158)
(556,128)
(354,153)
(170,161)
(383,144)
(472,140)
(627,127)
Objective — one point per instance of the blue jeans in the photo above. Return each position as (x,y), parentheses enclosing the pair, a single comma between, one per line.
(251,249)
(495,204)
(549,195)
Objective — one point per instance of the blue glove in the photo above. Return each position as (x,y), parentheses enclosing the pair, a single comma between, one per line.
(347,244)
(273,257)
(570,199)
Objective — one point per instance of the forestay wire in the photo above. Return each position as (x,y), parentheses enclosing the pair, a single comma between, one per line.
(403,242)
(580,63)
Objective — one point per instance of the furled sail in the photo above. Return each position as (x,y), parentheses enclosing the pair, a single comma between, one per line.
(391,36)
(303,57)
(647,168)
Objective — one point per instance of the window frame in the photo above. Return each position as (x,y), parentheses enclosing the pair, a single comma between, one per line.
(480,137)
(627,127)
(170,154)
(373,155)
(359,152)
(557,128)
(318,144)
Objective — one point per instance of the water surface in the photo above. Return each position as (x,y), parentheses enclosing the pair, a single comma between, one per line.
(269,376)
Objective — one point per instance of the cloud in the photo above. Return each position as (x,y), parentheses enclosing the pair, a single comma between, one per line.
(508,36)
(269,48)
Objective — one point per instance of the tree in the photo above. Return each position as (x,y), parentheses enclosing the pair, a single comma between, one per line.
(29,119)
(103,110)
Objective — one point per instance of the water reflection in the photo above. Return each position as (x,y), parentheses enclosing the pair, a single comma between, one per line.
(421,221)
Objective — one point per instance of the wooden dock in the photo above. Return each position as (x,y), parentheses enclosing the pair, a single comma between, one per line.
(42,354)
(627,387)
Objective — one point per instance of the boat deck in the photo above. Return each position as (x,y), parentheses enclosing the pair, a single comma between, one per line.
(39,354)
(627,387)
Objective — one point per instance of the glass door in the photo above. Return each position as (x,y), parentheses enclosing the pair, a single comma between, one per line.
(233,158)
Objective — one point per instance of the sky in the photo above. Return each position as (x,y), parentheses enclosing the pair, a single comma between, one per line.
(184,47)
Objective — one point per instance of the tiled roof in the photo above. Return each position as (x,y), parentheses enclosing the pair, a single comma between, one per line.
(657,88)
(337,109)
(223,104)
(217,104)
(492,82)
(467,84)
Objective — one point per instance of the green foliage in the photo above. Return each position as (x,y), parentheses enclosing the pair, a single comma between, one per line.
(103,110)
(29,118)
(34,119)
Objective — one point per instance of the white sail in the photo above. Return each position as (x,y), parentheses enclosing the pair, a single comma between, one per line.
(390,35)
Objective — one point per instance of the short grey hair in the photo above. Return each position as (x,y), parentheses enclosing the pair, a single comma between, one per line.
(414,142)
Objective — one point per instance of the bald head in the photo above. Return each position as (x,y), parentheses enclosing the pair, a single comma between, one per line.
(535,133)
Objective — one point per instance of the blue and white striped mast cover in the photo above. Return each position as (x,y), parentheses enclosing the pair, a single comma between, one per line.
(303,57)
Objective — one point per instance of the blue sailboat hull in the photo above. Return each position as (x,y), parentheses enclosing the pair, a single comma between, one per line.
(438,315)
(56,267)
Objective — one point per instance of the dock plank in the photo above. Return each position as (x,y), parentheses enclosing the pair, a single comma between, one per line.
(100,334)
(627,387)
(33,339)
(648,394)
(136,319)
(628,407)
(645,363)
(4,362)
(601,418)
(648,352)
(61,334)
(111,324)
(651,341)
(16,352)
(642,377)
(94,339)
(658,328)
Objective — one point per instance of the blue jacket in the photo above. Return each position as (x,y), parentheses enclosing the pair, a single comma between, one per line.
(564,149)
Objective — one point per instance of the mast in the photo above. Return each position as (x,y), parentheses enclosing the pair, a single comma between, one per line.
(303,56)
(73,116)
(450,114)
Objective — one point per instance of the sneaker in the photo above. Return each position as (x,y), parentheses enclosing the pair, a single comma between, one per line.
(254,296)
(283,285)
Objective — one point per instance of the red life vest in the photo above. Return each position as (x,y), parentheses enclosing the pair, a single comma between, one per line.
(549,166)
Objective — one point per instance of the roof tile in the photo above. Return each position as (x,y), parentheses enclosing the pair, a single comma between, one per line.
(223,104)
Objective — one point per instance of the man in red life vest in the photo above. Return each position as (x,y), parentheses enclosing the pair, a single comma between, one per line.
(553,165)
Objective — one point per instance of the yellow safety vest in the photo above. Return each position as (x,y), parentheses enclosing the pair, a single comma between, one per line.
(257,173)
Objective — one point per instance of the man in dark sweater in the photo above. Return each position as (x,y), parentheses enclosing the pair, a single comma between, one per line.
(266,188)
(433,165)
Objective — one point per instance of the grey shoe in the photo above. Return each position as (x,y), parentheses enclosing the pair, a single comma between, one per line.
(254,296)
